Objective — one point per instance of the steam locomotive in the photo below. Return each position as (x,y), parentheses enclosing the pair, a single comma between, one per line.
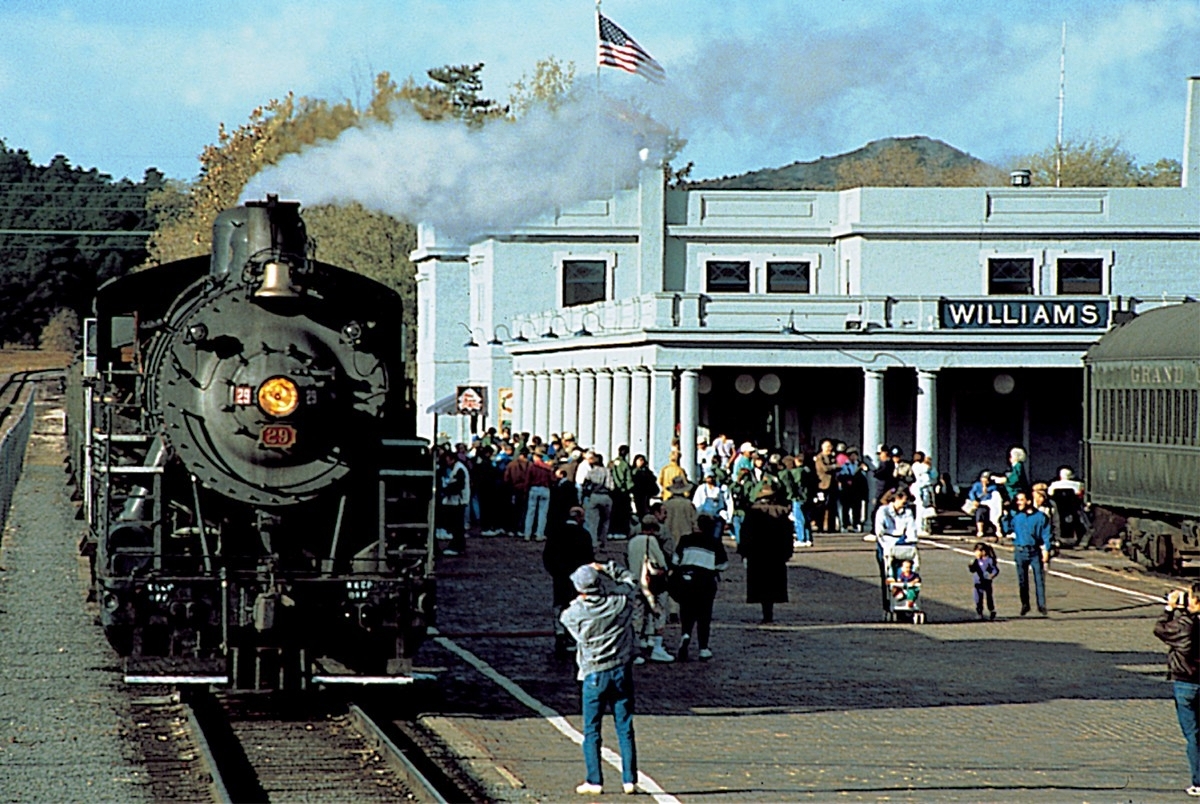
(260,511)
(1142,436)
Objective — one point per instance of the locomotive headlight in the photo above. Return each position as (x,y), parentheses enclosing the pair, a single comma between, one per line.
(278,397)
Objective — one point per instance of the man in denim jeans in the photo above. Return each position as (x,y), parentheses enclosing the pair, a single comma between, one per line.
(1177,627)
(600,621)
(1030,532)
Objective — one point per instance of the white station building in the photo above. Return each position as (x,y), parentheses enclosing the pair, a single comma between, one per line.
(949,320)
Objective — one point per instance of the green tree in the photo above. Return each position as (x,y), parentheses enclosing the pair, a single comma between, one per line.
(454,92)
(62,252)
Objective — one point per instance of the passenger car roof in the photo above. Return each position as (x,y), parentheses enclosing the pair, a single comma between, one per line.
(1171,332)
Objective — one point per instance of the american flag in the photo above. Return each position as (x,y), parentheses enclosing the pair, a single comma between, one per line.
(617,49)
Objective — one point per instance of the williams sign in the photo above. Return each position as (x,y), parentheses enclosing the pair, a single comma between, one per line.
(1023,314)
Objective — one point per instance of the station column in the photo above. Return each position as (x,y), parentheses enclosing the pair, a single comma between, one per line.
(556,404)
(602,437)
(529,401)
(639,413)
(689,420)
(570,421)
(662,416)
(587,408)
(874,428)
(541,417)
(620,405)
(926,431)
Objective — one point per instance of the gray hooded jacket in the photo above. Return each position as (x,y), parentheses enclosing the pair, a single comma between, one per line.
(600,621)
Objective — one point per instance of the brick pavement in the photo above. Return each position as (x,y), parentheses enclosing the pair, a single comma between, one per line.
(830,703)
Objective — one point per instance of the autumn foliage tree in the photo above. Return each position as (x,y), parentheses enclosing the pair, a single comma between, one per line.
(1097,162)
(905,165)
(350,236)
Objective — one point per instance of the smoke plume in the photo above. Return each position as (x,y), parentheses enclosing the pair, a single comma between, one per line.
(470,182)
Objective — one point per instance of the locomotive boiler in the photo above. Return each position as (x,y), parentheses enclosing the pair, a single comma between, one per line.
(1142,436)
(259,508)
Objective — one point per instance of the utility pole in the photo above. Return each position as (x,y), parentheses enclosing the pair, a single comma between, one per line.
(1062,91)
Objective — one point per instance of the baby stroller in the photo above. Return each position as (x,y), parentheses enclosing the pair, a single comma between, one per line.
(904,603)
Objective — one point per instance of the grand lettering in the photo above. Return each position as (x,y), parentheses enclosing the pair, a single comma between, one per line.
(1156,375)
(1023,313)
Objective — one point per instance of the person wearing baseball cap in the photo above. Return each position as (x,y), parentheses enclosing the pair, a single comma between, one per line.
(600,620)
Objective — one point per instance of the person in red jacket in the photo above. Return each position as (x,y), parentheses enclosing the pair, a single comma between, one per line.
(1177,628)
(541,478)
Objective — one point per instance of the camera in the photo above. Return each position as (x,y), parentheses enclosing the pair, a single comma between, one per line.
(1177,598)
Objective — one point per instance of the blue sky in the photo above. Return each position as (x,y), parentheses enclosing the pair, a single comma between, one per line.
(122,86)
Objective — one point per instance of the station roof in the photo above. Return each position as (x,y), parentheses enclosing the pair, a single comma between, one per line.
(1171,332)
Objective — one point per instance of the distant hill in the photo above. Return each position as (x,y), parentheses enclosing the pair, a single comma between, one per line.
(915,162)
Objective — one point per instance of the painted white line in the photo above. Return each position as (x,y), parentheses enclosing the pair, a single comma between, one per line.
(1056,573)
(554,718)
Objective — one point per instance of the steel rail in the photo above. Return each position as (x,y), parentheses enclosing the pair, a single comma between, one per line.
(396,758)
(220,793)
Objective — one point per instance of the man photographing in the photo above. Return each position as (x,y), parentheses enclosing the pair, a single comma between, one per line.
(600,621)
(1177,628)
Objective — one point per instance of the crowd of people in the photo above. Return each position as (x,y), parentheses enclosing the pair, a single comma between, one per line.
(671,523)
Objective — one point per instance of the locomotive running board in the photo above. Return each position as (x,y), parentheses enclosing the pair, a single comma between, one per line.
(338,678)
(176,679)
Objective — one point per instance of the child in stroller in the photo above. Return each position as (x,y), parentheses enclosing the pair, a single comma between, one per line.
(904,583)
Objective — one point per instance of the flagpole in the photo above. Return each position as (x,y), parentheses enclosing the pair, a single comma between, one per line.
(597,48)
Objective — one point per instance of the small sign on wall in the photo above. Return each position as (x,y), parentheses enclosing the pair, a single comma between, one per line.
(505,398)
(471,400)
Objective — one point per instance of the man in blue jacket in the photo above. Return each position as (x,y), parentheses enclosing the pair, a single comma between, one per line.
(1030,532)
(600,621)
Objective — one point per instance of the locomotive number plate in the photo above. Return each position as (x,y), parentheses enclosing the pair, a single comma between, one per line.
(278,436)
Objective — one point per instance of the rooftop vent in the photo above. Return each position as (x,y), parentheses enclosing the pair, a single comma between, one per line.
(1020,178)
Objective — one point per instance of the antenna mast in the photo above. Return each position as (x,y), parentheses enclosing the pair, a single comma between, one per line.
(1062,87)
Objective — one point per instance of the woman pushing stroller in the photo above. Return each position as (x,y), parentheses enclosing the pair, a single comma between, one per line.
(895,540)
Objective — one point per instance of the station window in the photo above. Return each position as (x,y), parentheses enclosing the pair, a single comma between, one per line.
(1080,276)
(584,281)
(723,276)
(787,277)
(1010,276)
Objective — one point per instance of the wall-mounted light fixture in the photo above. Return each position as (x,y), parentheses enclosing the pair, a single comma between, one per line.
(583,331)
(470,335)
(550,333)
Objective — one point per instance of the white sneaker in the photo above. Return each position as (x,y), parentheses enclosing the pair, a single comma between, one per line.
(629,788)
(1193,790)
(639,659)
(705,654)
(660,654)
(869,537)
(589,789)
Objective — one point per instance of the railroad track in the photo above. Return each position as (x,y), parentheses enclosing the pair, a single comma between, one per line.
(261,748)
(13,387)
